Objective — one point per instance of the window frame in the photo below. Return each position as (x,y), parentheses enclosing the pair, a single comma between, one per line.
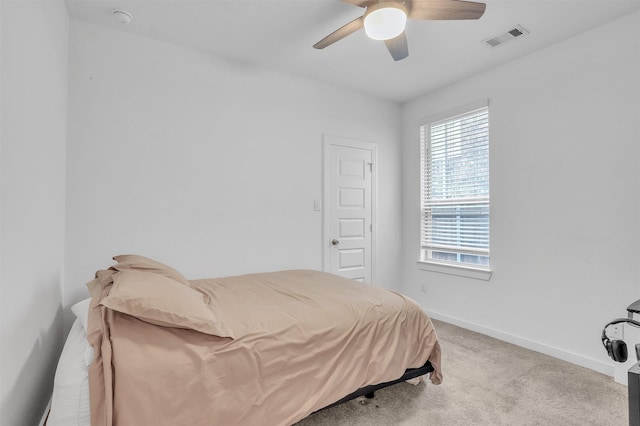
(433,265)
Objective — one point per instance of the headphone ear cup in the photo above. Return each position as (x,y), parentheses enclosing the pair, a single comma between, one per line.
(609,347)
(617,350)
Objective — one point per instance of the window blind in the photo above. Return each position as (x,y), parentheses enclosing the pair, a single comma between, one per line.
(455,189)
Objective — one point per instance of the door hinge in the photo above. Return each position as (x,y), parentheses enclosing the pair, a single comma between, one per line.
(370,167)
(370,227)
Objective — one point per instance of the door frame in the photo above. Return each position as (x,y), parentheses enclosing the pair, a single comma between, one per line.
(330,140)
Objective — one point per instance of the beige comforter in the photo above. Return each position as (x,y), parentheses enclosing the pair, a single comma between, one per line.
(261,349)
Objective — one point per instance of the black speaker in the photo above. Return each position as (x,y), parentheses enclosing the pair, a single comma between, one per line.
(617,349)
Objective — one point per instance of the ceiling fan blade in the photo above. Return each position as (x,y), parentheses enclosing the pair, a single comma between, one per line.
(446,9)
(398,47)
(361,3)
(340,33)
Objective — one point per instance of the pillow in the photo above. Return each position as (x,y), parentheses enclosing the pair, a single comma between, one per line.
(135,262)
(70,400)
(162,301)
(81,311)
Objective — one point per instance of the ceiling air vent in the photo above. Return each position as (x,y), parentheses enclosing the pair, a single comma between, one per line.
(516,31)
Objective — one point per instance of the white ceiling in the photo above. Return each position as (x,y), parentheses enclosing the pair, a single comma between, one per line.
(279,34)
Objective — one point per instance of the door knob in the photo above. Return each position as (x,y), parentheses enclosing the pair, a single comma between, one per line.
(335,242)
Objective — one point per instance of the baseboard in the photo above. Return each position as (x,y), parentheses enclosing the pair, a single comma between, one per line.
(571,357)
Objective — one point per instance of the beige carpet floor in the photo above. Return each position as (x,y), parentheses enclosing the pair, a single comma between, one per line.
(490,382)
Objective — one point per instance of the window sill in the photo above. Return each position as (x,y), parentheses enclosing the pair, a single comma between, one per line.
(461,271)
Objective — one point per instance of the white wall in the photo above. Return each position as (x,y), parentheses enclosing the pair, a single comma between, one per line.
(565,179)
(209,165)
(34,122)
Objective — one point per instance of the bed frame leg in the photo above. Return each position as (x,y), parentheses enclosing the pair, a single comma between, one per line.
(369,395)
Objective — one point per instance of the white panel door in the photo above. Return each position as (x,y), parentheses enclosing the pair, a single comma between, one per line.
(348,208)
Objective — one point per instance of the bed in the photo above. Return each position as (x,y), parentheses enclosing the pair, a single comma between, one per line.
(256,349)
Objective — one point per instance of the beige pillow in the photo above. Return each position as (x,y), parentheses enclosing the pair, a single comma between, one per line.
(162,301)
(136,262)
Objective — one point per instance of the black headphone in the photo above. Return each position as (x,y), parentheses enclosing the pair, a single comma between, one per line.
(617,349)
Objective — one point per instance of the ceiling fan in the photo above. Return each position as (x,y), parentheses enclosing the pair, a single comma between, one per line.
(386,19)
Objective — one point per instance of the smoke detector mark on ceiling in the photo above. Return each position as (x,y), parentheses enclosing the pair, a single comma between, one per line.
(122,17)
(514,32)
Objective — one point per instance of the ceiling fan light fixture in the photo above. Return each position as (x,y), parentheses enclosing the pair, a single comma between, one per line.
(385,20)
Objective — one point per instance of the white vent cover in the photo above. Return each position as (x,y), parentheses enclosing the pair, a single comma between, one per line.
(514,32)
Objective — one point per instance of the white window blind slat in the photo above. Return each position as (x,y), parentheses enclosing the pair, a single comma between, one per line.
(455,189)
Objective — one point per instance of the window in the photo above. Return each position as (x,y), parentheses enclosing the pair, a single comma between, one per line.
(455,190)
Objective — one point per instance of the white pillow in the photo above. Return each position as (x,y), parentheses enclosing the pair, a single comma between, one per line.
(81,311)
(70,401)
